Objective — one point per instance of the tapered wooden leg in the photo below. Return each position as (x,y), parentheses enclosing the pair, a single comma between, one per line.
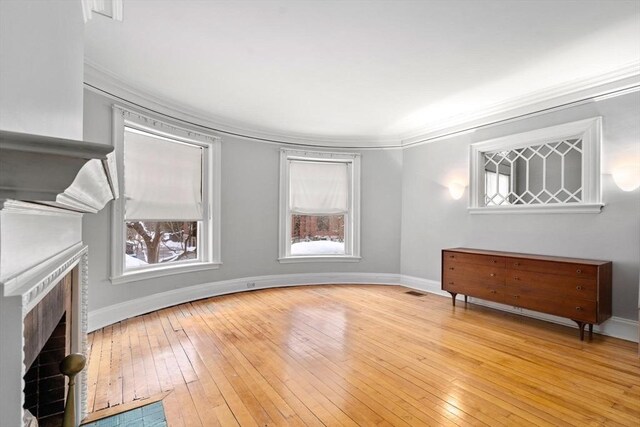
(581,327)
(453,297)
(590,331)
(465,300)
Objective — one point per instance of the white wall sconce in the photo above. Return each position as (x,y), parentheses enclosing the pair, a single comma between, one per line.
(456,190)
(627,177)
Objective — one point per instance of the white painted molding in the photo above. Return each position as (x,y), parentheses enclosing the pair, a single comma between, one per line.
(319,258)
(17,206)
(616,327)
(108,315)
(600,86)
(16,302)
(538,209)
(66,173)
(588,130)
(352,217)
(80,342)
(163,270)
(105,82)
(210,249)
(611,83)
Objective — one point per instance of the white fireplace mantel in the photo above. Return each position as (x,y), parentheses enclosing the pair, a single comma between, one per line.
(46,185)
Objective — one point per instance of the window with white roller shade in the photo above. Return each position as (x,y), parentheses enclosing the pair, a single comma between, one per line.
(167,218)
(163,178)
(319,206)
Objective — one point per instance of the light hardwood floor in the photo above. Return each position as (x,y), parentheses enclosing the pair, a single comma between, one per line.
(361,355)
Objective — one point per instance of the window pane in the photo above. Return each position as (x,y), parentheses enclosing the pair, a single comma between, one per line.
(152,242)
(317,235)
(542,174)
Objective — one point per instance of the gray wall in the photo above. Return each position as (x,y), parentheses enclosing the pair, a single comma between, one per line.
(42,51)
(250,174)
(432,220)
(408,215)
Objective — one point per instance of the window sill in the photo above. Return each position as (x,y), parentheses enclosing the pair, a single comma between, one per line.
(151,273)
(319,258)
(539,209)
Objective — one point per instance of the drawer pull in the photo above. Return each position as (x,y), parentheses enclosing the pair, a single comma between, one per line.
(493,291)
(578,271)
(578,308)
(492,274)
(516,278)
(451,268)
(516,296)
(452,256)
(579,287)
(451,283)
(517,264)
(494,261)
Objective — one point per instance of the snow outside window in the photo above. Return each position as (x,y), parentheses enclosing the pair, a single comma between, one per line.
(165,220)
(319,206)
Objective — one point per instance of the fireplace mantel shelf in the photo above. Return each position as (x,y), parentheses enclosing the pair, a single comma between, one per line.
(67,174)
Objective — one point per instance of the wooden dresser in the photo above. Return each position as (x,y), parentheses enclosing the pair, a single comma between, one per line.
(579,289)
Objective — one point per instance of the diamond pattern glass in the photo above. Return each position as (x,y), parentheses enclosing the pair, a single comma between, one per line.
(548,173)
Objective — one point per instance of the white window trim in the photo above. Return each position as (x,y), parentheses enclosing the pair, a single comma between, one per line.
(352,220)
(591,132)
(209,245)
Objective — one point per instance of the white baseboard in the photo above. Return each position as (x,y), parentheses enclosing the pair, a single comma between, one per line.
(617,327)
(114,313)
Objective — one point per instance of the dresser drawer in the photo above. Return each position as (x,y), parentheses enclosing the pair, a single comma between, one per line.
(561,268)
(575,309)
(488,292)
(473,274)
(449,257)
(551,285)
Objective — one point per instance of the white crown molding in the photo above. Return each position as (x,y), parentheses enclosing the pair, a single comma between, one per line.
(610,84)
(607,84)
(615,327)
(68,174)
(98,79)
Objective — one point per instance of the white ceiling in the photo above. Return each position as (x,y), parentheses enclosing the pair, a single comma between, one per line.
(369,70)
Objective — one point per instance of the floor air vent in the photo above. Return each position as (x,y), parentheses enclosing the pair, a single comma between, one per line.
(415,294)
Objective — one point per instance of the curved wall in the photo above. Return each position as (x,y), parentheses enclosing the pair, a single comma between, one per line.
(250,185)
(612,235)
(408,216)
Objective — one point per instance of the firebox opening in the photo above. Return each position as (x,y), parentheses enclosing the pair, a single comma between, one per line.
(44,392)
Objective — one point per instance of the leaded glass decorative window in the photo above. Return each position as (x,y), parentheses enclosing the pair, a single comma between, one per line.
(546,170)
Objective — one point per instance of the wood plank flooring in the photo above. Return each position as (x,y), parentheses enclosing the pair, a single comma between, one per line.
(361,355)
